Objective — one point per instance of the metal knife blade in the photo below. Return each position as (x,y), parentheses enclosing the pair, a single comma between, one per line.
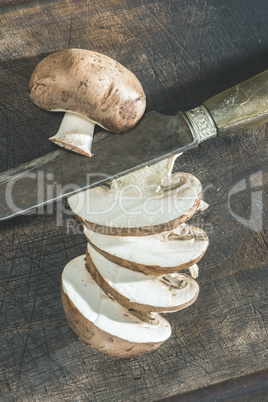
(62,173)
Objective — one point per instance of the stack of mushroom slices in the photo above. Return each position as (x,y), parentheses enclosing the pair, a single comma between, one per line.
(138,244)
(90,88)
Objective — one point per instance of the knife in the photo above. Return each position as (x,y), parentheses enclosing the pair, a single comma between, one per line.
(61,173)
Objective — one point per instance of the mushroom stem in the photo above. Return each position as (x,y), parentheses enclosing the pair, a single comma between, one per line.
(194,271)
(75,133)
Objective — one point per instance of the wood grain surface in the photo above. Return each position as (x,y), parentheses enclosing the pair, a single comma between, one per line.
(246,388)
(183,52)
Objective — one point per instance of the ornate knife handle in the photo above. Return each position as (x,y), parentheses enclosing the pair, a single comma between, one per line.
(242,106)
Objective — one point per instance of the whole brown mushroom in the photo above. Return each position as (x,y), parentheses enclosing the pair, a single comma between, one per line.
(92,89)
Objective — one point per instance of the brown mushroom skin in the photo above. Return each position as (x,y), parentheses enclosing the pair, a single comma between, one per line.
(101,340)
(123,300)
(141,231)
(89,84)
(146,269)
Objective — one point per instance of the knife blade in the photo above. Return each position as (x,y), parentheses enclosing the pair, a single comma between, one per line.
(61,173)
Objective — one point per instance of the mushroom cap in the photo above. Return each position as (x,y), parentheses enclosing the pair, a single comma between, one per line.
(89,84)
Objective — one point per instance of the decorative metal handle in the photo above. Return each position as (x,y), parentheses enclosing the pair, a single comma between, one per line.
(242,106)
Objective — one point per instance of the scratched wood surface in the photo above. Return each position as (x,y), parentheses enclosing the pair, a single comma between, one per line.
(183,52)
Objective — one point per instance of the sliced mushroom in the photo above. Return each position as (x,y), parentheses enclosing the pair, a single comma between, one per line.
(157,254)
(100,321)
(92,89)
(138,291)
(150,179)
(138,205)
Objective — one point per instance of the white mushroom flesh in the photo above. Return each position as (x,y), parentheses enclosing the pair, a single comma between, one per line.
(103,311)
(145,289)
(203,206)
(170,249)
(75,133)
(138,206)
(149,178)
(194,270)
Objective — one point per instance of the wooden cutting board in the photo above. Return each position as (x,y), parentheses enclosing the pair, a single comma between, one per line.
(183,52)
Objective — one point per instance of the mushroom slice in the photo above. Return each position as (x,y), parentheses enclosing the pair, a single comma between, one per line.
(157,254)
(137,204)
(99,320)
(149,179)
(92,89)
(136,290)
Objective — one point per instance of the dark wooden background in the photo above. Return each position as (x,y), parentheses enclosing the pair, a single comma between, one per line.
(183,52)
